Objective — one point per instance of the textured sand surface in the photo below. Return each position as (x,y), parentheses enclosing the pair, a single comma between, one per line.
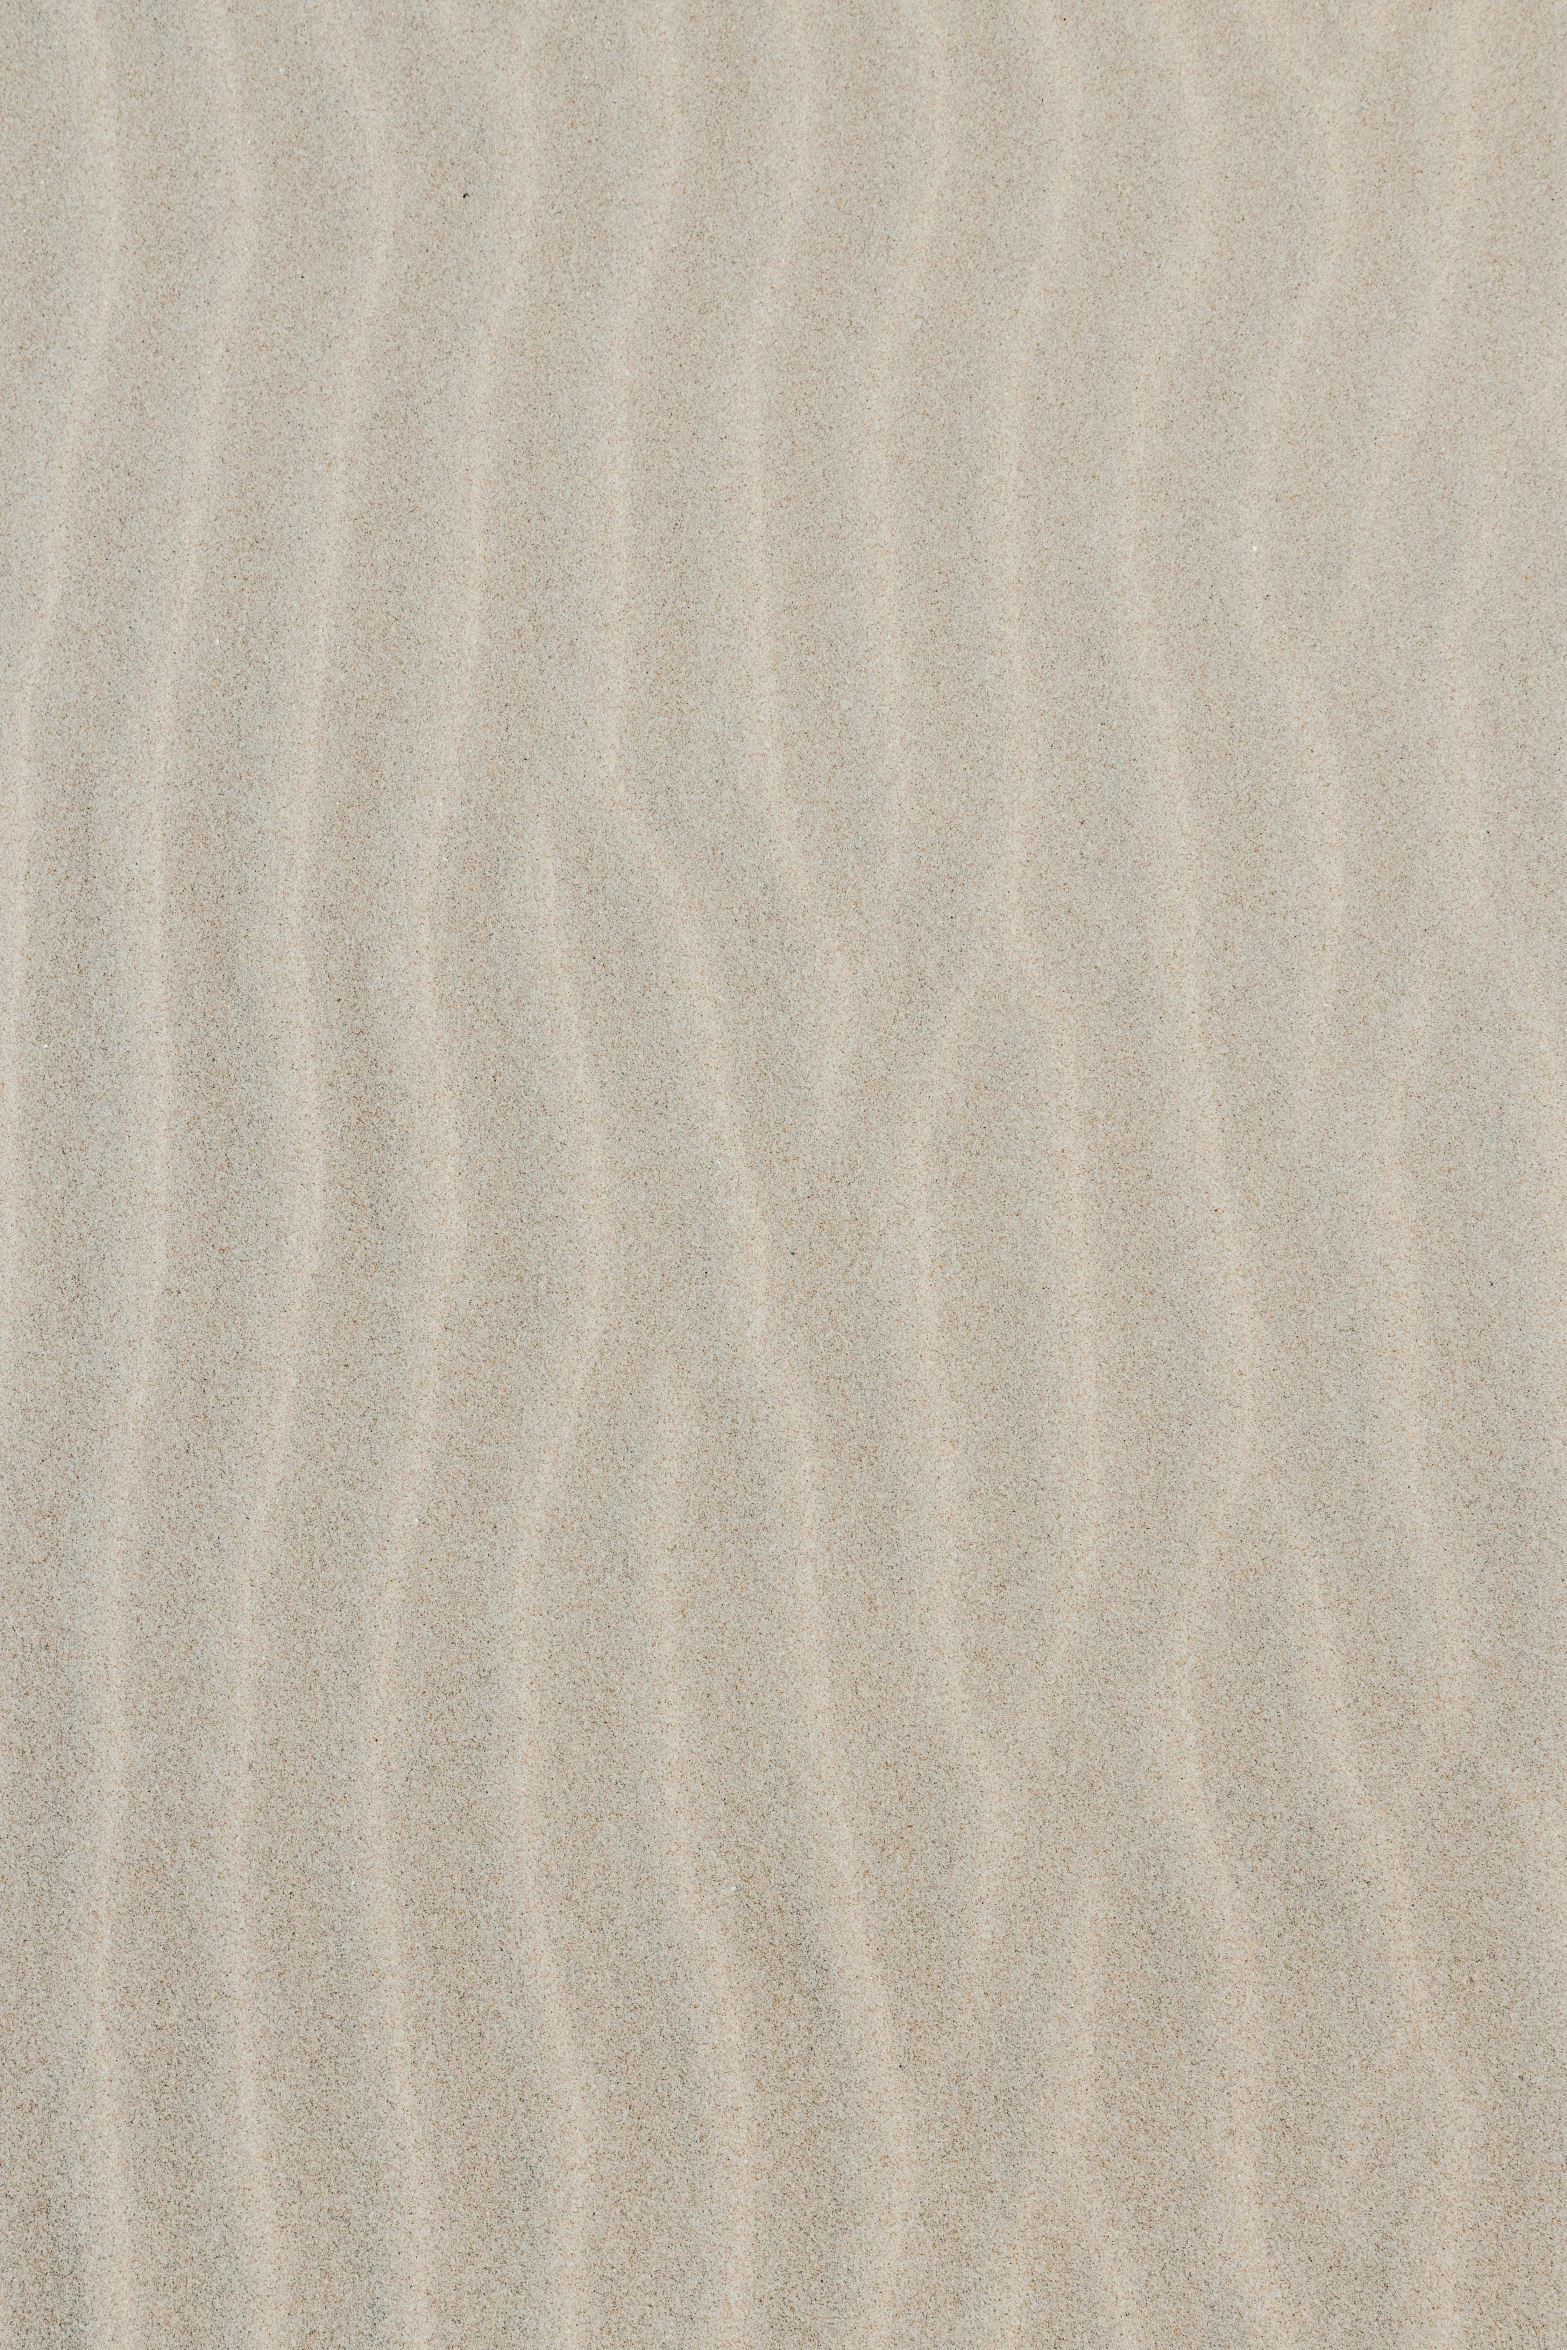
(783,1012)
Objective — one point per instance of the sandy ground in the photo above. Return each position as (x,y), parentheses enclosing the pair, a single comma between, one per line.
(783,1009)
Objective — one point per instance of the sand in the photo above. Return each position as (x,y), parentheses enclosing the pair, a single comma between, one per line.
(783,1270)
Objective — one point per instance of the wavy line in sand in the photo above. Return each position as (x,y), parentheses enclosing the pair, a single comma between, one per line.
(113,2288)
(262,2222)
(157,1052)
(110,2291)
(535,1499)
(936,1506)
(1113,2265)
(886,594)
(571,2289)
(1003,896)
(1476,908)
(1469,861)
(602,1258)
(445,1238)
(304,1248)
(761,335)
(855,1959)
(1190,1810)
(1509,954)
(1453,1676)
(19,732)
(998,497)
(1027,727)
(1339,1746)
(855,1956)
(935,78)
(451,1217)
(708,1938)
(1454,1671)
(1329,803)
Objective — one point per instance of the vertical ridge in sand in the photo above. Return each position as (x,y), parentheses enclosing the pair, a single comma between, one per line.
(85,2197)
(1189,1810)
(569,2286)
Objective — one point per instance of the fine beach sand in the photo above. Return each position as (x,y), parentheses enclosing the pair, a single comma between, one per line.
(783,1132)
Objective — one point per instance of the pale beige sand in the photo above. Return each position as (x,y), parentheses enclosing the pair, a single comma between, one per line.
(784,1004)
